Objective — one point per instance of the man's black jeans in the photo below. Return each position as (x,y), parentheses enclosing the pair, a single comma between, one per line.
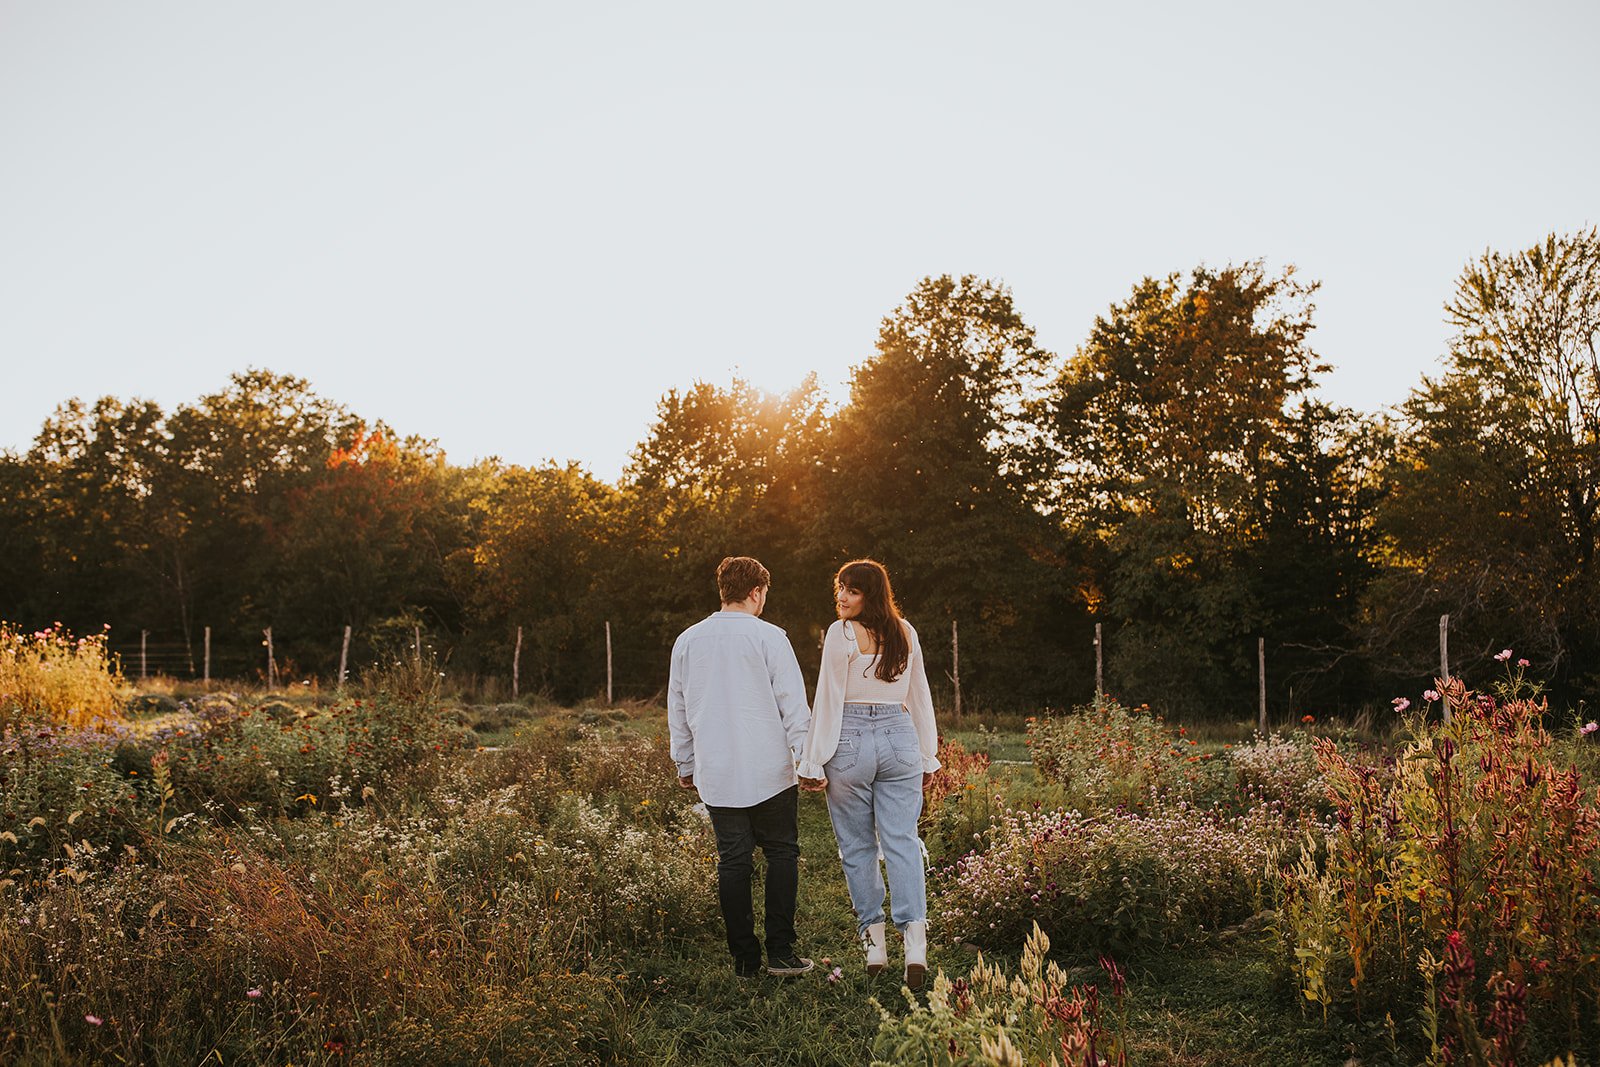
(773,826)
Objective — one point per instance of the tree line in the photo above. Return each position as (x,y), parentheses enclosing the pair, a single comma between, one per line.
(1177,479)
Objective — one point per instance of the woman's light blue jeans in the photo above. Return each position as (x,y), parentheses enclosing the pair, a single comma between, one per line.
(875,799)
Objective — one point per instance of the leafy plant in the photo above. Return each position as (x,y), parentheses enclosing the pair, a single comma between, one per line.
(1475,858)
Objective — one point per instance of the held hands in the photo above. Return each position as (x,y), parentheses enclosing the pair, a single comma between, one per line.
(685,781)
(813,785)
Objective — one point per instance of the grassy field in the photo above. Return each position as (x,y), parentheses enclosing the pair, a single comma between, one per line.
(396,877)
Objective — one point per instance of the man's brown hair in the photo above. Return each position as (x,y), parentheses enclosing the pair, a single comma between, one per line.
(738,576)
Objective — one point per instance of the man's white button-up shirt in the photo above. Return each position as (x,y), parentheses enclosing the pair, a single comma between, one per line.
(736,709)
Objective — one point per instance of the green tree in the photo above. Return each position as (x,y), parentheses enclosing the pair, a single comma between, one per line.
(233,459)
(545,535)
(1173,429)
(22,543)
(94,471)
(1492,516)
(722,471)
(1315,560)
(928,471)
(366,539)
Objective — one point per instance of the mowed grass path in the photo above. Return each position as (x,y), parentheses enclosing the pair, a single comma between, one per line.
(1217,1003)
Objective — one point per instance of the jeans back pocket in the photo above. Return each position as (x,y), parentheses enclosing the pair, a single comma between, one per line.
(846,755)
(907,748)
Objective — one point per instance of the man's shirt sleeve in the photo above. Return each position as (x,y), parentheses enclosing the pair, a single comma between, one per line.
(789,689)
(682,740)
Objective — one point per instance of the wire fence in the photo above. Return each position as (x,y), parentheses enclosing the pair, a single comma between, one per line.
(272,659)
(262,658)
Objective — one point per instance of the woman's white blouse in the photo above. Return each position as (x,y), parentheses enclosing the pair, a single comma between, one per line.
(846,676)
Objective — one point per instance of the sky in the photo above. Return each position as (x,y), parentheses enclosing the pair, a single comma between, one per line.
(512,226)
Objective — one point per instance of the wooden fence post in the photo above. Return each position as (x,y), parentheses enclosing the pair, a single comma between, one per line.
(1444,663)
(143,637)
(516,667)
(416,642)
(1261,657)
(207,678)
(608,661)
(344,656)
(1099,664)
(955,666)
(272,664)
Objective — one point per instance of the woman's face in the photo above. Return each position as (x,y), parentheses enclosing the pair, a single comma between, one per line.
(847,601)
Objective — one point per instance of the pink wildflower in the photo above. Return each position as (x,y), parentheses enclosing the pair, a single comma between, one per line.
(1503,655)
(253,994)
(1522,663)
(94,1020)
(1400,703)
(836,974)
(1589,728)
(1431,695)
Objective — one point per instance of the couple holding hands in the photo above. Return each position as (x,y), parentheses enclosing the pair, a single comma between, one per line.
(743,735)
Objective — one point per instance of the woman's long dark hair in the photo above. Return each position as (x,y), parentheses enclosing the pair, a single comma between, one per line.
(879,614)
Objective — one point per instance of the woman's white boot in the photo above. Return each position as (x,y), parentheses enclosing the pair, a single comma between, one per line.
(877,951)
(916,935)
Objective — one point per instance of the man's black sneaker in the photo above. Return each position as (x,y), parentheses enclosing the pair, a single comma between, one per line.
(787,966)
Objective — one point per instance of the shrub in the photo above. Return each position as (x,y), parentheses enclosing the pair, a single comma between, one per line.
(458,923)
(1474,863)
(274,759)
(59,786)
(987,1018)
(1106,755)
(1114,879)
(1280,768)
(49,675)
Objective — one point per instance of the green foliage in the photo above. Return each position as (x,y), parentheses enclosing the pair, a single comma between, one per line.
(928,470)
(545,536)
(1180,433)
(59,787)
(1492,511)
(721,472)
(1176,479)
(1106,755)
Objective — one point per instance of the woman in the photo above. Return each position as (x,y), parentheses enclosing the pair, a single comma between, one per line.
(873,744)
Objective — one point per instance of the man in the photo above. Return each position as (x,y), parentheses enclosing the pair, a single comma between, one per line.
(736,708)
